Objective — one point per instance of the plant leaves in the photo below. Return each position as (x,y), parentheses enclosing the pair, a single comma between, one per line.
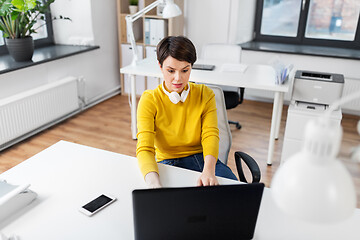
(5,7)
(14,15)
(24,5)
(17,17)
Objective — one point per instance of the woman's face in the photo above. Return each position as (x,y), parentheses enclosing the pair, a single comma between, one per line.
(176,74)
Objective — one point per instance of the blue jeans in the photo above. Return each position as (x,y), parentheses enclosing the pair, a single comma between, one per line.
(196,162)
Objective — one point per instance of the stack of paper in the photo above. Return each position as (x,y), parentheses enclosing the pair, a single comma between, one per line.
(283,74)
(282,70)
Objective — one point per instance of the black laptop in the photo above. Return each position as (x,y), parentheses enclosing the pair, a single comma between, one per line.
(217,212)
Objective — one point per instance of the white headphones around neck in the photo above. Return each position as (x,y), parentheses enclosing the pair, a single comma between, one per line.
(176,97)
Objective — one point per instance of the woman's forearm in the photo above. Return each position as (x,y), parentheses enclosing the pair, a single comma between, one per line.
(209,164)
(152,180)
(207,177)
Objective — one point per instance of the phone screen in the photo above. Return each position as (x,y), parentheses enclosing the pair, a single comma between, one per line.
(97,203)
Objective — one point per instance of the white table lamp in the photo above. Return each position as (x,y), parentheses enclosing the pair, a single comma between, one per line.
(170,10)
(313,185)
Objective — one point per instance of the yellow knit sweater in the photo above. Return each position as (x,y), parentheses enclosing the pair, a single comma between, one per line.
(176,130)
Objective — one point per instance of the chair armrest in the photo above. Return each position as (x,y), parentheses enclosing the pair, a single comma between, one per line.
(250,163)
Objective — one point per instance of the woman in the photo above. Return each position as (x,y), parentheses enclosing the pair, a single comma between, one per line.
(177,121)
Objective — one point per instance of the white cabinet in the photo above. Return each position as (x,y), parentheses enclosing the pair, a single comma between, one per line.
(298,116)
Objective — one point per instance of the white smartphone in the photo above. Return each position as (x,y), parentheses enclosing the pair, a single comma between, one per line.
(97,204)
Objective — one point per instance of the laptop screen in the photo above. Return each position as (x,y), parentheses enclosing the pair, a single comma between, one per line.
(216,212)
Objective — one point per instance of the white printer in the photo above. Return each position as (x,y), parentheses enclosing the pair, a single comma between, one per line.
(317,87)
(313,92)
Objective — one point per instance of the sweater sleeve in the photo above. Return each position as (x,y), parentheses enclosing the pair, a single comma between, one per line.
(145,150)
(210,131)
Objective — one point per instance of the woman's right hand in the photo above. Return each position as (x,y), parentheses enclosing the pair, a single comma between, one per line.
(152,180)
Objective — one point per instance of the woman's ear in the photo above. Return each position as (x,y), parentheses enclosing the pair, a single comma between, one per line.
(160,65)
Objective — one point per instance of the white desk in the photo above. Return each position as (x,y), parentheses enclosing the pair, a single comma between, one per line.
(67,175)
(261,77)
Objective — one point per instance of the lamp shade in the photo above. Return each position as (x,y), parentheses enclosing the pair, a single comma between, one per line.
(313,185)
(171,9)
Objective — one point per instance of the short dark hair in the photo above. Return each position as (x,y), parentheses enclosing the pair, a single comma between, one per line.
(180,48)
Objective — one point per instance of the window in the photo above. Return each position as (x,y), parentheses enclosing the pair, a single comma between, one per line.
(43,37)
(41,31)
(44,32)
(333,23)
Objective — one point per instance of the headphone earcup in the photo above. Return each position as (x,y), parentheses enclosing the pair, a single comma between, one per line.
(184,95)
(174,97)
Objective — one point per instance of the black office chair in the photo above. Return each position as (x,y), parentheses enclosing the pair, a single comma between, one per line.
(232,100)
(228,53)
(226,140)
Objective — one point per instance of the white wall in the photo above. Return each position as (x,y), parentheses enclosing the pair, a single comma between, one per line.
(243,28)
(219,21)
(92,20)
(206,21)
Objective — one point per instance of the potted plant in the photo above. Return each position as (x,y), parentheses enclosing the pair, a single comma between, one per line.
(17,22)
(133,6)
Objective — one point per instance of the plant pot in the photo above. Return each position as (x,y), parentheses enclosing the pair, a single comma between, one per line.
(133,9)
(20,49)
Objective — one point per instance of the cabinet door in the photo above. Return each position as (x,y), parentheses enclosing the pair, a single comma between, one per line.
(150,52)
(152,82)
(126,58)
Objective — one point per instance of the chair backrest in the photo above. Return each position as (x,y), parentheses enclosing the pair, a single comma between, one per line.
(228,53)
(224,129)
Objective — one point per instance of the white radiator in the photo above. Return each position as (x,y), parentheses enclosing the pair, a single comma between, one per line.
(31,110)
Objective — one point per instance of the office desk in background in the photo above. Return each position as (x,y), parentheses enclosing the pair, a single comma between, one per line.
(67,175)
(260,77)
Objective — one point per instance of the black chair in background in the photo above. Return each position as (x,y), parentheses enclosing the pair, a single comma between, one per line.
(232,100)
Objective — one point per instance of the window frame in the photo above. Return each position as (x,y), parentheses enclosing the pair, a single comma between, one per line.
(43,42)
(300,39)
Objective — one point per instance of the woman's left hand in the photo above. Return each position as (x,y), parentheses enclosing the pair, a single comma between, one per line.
(207,177)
